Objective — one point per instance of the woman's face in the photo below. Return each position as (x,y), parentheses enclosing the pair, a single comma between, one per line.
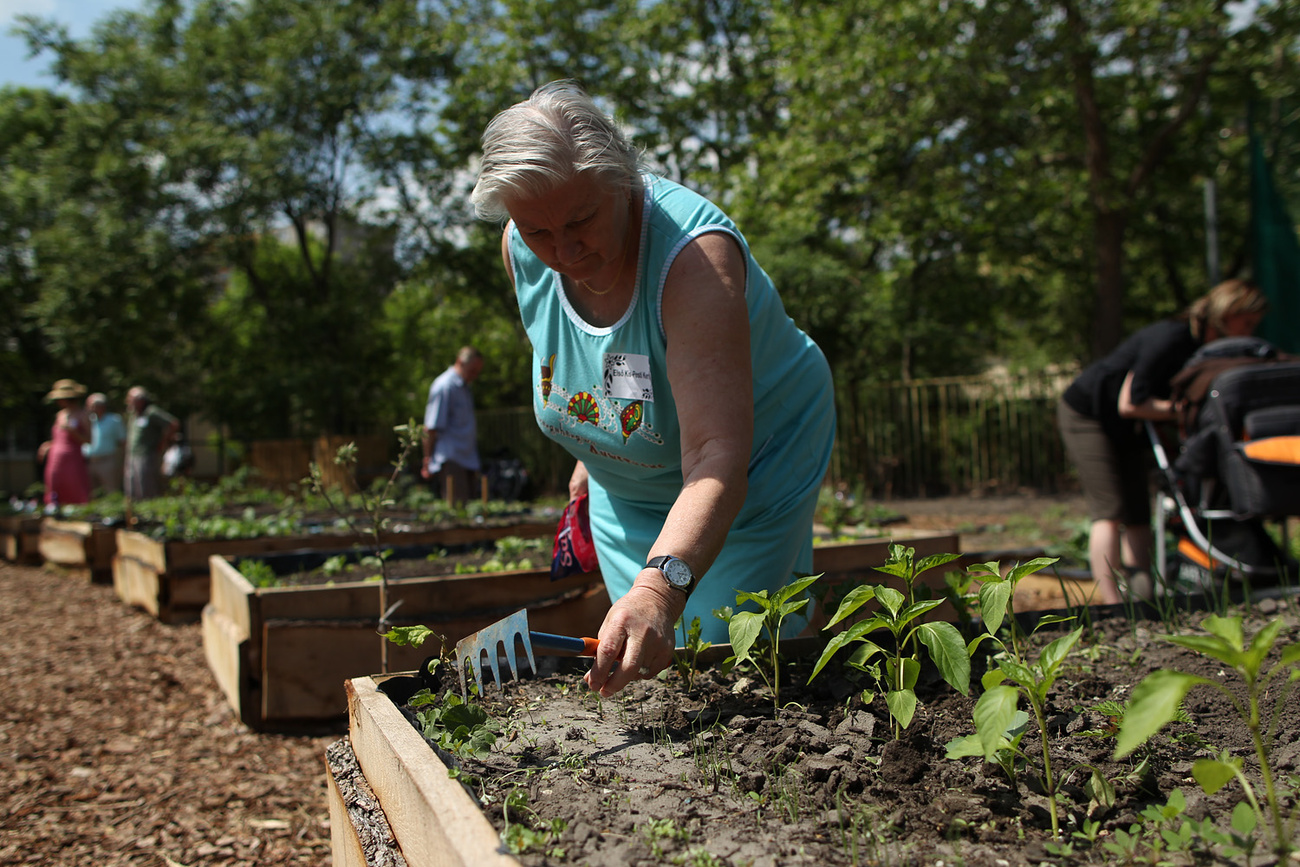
(578,228)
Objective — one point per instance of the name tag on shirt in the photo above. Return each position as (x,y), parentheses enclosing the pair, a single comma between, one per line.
(627,377)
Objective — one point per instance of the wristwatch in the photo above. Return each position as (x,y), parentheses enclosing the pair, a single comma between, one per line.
(675,570)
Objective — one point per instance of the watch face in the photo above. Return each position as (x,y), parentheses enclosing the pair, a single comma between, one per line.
(678,573)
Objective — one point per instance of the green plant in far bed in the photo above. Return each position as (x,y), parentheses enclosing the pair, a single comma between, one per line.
(897,614)
(1156,699)
(258,572)
(744,628)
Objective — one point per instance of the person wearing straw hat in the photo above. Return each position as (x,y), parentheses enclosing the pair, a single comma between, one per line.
(67,481)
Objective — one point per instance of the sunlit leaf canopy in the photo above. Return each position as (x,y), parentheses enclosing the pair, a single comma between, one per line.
(259,209)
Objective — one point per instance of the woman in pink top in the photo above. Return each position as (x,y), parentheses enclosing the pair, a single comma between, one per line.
(67,479)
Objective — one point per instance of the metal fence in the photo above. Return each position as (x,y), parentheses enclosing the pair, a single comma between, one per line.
(992,433)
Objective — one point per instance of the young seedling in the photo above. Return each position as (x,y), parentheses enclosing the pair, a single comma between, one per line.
(745,627)
(897,614)
(373,506)
(1017,676)
(686,660)
(1156,699)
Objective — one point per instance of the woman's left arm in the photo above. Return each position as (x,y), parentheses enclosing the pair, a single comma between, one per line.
(706,322)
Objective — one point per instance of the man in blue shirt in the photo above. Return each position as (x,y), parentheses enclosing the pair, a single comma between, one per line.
(104,451)
(451,461)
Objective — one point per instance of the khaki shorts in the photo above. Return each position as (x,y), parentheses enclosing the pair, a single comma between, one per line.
(1114,473)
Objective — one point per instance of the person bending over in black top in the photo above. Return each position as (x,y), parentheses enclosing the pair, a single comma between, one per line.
(1098,417)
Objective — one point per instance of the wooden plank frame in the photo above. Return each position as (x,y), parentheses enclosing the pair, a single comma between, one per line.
(281,654)
(169,578)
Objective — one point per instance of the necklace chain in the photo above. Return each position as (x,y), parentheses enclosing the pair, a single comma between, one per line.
(622,260)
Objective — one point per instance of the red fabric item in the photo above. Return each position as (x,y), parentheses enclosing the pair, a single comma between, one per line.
(574,550)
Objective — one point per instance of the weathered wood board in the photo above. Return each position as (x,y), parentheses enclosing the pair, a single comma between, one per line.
(169,578)
(20,538)
(434,822)
(83,548)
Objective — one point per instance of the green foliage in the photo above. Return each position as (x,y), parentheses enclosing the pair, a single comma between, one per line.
(896,614)
(745,628)
(409,636)
(1017,676)
(686,656)
(258,572)
(1156,700)
(454,724)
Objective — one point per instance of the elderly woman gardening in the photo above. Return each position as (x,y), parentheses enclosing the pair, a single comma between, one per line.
(702,418)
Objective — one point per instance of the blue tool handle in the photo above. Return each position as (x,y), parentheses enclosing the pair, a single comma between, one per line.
(564,643)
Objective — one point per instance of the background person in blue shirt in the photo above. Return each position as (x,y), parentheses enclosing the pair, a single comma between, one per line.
(104,451)
(450,439)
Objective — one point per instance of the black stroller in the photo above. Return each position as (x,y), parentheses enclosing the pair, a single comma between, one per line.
(1237,470)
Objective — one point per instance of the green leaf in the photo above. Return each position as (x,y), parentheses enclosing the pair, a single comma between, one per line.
(1213,647)
(794,588)
(408,636)
(935,560)
(1230,629)
(1244,819)
(902,705)
(995,598)
(855,599)
(948,652)
(916,609)
(966,746)
(1021,674)
(743,631)
(1214,774)
(994,712)
(1021,570)
(1055,653)
(890,599)
(1154,703)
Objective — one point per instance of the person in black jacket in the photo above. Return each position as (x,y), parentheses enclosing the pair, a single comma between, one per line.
(1098,417)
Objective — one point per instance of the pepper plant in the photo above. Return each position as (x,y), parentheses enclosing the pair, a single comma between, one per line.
(1155,702)
(999,723)
(744,628)
(897,614)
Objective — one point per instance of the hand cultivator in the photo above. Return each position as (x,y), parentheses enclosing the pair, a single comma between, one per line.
(502,638)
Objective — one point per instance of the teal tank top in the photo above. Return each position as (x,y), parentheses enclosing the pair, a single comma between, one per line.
(603,394)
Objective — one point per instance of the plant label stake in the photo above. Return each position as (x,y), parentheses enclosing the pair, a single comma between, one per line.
(503,637)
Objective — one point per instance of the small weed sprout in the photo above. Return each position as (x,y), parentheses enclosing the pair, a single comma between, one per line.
(1156,699)
(897,614)
(745,627)
(538,835)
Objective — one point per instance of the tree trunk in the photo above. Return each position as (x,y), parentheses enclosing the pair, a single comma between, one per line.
(1108,314)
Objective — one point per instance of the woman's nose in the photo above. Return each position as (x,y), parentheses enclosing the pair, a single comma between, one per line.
(568,248)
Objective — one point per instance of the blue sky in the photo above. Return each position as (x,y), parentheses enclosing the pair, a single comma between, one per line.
(76,15)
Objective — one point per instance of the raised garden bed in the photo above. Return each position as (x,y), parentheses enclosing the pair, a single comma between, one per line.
(709,773)
(170,578)
(20,537)
(82,548)
(257,639)
(281,654)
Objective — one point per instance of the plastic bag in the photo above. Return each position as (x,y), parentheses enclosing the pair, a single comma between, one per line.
(574,551)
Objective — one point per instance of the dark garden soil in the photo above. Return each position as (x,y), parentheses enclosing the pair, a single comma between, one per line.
(711,774)
(118,748)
